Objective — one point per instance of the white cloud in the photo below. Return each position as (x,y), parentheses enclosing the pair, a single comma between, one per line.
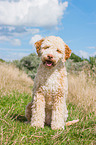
(15,42)
(10,28)
(31,12)
(0,28)
(16,56)
(4,38)
(16,50)
(92,47)
(34,39)
(9,56)
(33,31)
(94,54)
(17,31)
(83,54)
(14,53)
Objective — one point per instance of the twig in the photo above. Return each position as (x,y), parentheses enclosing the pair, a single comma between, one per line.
(71,122)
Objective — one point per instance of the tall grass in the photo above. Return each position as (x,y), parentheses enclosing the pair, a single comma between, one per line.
(12,79)
(82,91)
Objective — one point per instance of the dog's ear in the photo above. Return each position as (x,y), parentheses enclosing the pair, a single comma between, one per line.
(67,52)
(38,45)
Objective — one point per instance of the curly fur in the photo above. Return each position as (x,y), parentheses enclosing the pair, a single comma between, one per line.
(50,88)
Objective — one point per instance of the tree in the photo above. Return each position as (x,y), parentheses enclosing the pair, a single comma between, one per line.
(1,60)
(75,58)
(92,61)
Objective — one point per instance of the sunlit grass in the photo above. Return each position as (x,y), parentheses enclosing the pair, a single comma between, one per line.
(15,131)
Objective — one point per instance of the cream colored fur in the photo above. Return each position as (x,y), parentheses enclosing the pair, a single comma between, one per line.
(50,88)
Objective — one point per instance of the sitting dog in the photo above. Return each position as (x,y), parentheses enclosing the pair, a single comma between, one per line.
(50,88)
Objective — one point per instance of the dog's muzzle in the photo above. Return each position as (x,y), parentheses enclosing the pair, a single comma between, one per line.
(49,61)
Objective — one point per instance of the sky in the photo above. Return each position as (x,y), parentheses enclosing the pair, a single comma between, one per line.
(23,22)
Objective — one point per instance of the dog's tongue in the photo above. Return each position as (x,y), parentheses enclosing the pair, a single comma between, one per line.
(48,63)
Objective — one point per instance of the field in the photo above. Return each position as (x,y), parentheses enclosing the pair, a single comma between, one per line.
(15,93)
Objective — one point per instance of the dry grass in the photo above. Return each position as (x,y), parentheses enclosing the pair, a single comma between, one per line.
(82,91)
(11,79)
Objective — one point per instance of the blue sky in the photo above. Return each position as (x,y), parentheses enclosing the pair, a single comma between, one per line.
(23,22)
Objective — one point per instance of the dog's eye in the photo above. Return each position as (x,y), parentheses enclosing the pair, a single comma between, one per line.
(59,51)
(46,47)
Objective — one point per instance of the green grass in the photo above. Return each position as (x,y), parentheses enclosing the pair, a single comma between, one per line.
(13,130)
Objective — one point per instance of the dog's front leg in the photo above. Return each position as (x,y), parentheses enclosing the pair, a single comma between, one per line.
(58,113)
(38,110)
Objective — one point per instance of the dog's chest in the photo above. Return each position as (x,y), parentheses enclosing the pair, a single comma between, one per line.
(51,82)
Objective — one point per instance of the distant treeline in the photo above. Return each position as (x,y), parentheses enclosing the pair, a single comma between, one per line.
(30,63)
(1,60)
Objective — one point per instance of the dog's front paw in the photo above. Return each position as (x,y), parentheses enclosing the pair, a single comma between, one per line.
(37,124)
(55,125)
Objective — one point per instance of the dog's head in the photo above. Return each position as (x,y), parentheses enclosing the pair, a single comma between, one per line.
(52,49)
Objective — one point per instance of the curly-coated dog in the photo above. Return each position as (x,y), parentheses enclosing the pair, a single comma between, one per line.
(50,88)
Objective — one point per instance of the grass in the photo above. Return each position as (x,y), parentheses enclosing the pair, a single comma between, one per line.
(11,78)
(82,91)
(13,129)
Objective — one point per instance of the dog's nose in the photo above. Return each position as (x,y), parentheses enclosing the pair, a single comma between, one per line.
(50,56)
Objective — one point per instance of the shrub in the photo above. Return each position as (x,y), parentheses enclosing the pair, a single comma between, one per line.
(77,67)
(75,58)
(1,60)
(92,61)
(29,64)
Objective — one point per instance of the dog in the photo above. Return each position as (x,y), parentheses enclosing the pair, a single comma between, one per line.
(50,88)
